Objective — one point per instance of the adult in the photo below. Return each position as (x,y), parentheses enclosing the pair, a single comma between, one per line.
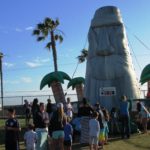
(85,112)
(49,107)
(144,116)
(57,126)
(41,125)
(125,117)
(27,108)
(69,112)
(35,109)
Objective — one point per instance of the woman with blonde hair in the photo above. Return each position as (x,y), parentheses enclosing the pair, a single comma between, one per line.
(57,126)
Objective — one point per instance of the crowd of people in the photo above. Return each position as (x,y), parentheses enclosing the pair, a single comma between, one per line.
(55,126)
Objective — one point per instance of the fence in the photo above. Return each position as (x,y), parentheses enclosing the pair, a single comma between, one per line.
(19,100)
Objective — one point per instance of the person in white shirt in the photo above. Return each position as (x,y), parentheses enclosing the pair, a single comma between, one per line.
(30,138)
(69,112)
(94,129)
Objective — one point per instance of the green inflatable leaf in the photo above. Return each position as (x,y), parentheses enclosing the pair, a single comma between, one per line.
(145,75)
(75,81)
(54,76)
(64,75)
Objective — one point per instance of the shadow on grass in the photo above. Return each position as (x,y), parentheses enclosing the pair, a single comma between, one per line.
(138,145)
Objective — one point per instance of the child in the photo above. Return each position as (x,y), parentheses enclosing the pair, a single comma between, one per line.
(12,128)
(114,121)
(105,123)
(30,138)
(94,129)
(68,130)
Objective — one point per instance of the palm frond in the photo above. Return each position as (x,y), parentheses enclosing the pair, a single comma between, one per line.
(81,58)
(60,38)
(40,26)
(56,37)
(36,32)
(40,38)
(45,32)
(57,22)
(48,46)
(47,20)
(60,32)
(84,52)
(53,22)
(48,23)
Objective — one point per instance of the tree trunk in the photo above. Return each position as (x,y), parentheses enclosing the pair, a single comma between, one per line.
(79,91)
(54,51)
(58,92)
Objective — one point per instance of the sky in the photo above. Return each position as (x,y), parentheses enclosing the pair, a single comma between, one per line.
(26,61)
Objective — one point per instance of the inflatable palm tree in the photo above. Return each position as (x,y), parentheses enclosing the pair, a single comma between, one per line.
(145,77)
(77,83)
(54,80)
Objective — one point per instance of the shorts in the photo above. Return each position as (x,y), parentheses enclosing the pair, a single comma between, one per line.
(58,134)
(68,143)
(93,140)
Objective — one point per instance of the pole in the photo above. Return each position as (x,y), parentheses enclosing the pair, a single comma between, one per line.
(1,78)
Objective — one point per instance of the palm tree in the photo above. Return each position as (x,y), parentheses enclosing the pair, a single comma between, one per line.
(48,29)
(81,58)
(77,83)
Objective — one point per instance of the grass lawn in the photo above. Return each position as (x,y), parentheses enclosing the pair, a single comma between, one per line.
(136,142)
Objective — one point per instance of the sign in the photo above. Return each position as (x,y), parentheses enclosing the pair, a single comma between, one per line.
(108,91)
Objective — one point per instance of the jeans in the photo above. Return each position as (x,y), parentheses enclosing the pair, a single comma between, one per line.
(125,129)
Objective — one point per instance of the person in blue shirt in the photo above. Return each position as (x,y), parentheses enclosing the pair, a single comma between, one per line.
(68,130)
(125,117)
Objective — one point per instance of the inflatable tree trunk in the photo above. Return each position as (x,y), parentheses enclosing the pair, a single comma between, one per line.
(79,91)
(58,92)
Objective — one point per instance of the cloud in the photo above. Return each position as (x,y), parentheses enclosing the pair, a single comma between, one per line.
(33,64)
(11,82)
(18,30)
(40,60)
(19,56)
(64,55)
(29,28)
(37,62)
(8,65)
(26,79)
